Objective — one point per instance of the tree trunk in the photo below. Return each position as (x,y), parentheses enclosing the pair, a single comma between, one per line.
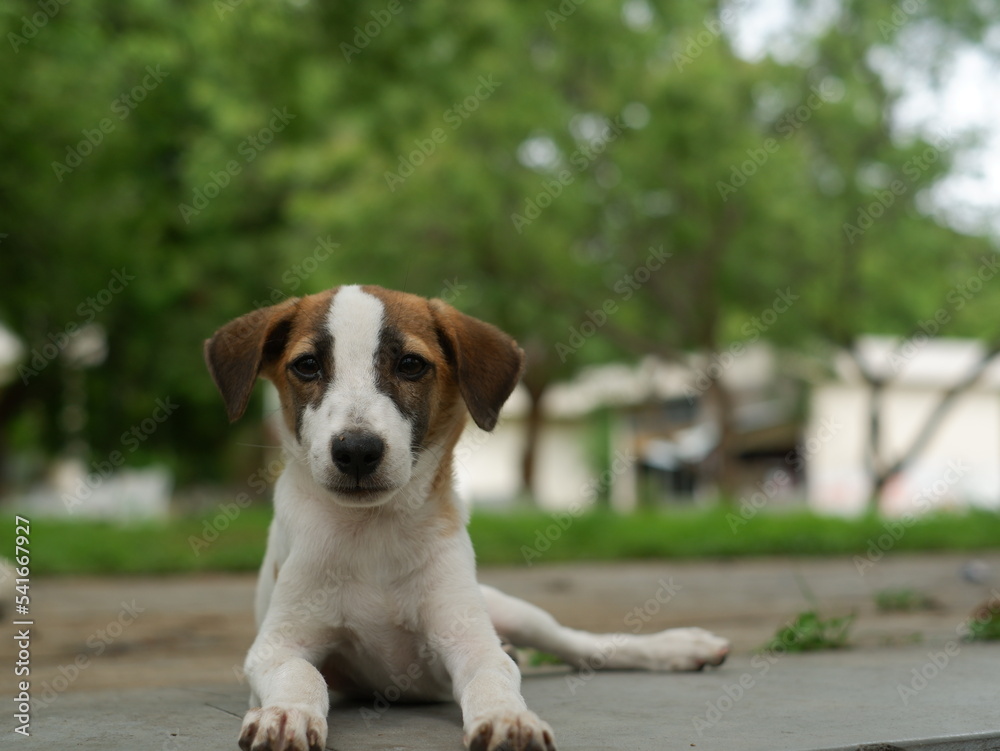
(876,467)
(883,472)
(532,436)
(12,399)
(720,462)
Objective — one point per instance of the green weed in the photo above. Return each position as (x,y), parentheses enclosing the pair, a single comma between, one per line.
(811,633)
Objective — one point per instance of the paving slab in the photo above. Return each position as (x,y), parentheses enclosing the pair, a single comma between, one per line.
(157,680)
(861,700)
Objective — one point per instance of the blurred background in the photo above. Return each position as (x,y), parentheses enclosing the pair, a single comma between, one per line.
(749,247)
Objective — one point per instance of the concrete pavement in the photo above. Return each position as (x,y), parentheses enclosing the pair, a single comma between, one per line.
(157,659)
(797,703)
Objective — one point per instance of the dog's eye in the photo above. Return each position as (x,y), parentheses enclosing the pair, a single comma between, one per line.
(411,367)
(306,367)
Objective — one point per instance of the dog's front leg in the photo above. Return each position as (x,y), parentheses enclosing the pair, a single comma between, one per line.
(486,682)
(292,694)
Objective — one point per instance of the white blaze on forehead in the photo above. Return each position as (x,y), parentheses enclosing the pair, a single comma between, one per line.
(353,400)
(355,323)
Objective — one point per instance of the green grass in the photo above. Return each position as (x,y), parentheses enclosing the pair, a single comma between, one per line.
(904,600)
(984,625)
(522,537)
(810,633)
(87,547)
(535,538)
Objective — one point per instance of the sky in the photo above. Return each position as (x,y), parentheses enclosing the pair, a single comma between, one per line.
(968,100)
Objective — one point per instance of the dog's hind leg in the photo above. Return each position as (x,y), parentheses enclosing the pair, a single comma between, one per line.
(526,625)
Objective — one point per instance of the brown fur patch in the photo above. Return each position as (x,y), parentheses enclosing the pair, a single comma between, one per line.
(487,362)
(434,400)
(308,324)
(441,486)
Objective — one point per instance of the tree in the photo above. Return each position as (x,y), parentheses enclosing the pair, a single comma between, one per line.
(527,163)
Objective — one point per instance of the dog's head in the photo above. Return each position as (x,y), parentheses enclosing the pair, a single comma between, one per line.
(370,381)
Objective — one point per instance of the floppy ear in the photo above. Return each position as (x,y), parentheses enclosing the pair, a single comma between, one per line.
(487,361)
(238,351)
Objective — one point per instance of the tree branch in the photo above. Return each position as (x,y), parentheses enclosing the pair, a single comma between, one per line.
(940,411)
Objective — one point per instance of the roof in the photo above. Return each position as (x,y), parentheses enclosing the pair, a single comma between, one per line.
(650,380)
(918,361)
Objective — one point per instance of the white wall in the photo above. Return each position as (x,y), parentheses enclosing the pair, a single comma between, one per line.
(488,465)
(959,466)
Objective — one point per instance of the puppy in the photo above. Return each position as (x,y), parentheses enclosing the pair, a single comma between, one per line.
(369,577)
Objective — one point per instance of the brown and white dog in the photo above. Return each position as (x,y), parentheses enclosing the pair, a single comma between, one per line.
(369,574)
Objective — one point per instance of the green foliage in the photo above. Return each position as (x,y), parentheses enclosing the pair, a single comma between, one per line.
(538,659)
(904,600)
(361,111)
(74,548)
(522,538)
(811,633)
(984,625)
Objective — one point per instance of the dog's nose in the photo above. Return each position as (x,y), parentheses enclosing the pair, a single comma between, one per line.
(357,453)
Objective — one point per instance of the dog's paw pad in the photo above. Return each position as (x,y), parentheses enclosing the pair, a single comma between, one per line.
(279,728)
(510,731)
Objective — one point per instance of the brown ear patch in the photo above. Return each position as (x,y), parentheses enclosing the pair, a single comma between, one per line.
(236,352)
(488,363)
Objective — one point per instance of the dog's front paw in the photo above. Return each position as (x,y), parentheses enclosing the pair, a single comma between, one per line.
(682,649)
(280,728)
(510,731)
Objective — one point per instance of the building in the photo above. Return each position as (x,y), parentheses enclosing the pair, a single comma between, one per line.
(960,464)
(641,433)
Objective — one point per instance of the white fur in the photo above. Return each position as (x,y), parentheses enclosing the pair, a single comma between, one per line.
(389,591)
(353,401)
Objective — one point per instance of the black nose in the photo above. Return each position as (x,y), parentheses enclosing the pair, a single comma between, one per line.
(357,453)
